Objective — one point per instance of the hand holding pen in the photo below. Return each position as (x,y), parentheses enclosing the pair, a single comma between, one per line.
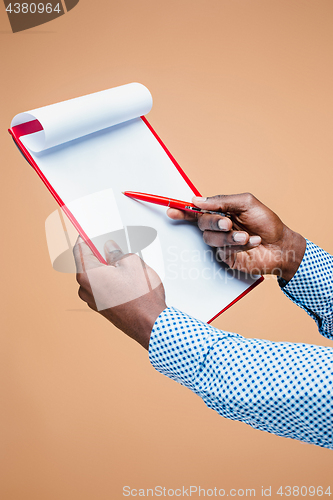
(215,218)
(248,235)
(209,215)
(253,239)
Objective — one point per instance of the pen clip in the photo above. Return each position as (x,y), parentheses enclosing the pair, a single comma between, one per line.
(200,211)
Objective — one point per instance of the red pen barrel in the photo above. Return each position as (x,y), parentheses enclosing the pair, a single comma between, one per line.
(180,205)
(159,200)
(170,202)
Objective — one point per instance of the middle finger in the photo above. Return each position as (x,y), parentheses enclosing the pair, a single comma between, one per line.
(214,223)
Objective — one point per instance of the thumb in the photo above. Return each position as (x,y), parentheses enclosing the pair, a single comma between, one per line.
(233,203)
(84,258)
(113,252)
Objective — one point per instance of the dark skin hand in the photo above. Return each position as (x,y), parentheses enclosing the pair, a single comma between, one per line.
(253,239)
(128,292)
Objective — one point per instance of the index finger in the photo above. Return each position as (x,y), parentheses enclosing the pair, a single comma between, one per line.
(233,203)
(113,252)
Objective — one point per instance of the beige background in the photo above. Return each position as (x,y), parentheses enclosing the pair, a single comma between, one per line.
(243,99)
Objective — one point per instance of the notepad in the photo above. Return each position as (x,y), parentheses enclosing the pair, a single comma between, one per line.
(87,151)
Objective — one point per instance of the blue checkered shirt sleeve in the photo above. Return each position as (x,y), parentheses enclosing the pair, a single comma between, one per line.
(311,288)
(279,387)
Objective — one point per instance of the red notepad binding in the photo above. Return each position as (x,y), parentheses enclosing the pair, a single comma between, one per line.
(35,126)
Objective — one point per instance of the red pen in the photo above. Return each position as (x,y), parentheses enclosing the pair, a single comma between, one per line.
(170,203)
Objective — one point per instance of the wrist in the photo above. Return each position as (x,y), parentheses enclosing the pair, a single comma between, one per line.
(137,317)
(143,316)
(147,322)
(293,249)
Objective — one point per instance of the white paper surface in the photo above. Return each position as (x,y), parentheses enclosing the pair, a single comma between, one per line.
(68,120)
(127,157)
(99,211)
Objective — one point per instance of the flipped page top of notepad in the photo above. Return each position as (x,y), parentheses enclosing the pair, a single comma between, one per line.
(90,173)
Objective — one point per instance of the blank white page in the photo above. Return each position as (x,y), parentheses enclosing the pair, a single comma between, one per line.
(90,174)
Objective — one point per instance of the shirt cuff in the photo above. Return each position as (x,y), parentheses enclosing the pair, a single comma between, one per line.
(179,345)
(312,285)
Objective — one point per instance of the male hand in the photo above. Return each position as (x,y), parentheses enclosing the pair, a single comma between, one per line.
(253,239)
(126,291)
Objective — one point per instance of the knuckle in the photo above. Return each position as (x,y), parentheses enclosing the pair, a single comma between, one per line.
(213,238)
(213,223)
(129,259)
(201,223)
(206,237)
(116,253)
(231,262)
(132,255)
(82,279)
(220,254)
(218,199)
(81,293)
(248,198)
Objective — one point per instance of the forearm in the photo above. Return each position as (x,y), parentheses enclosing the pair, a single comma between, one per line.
(282,388)
(293,246)
(311,288)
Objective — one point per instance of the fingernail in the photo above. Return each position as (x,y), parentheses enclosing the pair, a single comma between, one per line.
(223,224)
(239,238)
(111,246)
(199,199)
(255,240)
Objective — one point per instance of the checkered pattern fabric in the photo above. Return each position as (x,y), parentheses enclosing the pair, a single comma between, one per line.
(278,387)
(312,287)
